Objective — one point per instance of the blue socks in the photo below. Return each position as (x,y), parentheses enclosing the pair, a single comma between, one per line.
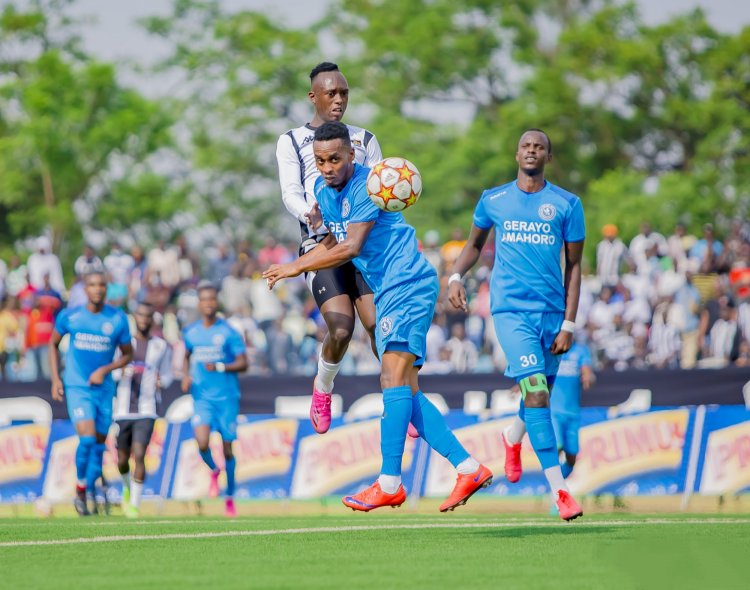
(230,465)
(542,436)
(431,426)
(94,469)
(397,411)
(566,469)
(208,459)
(83,453)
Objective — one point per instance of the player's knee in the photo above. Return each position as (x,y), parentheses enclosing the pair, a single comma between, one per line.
(123,465)
(535,391)
(570,459)
(341,334)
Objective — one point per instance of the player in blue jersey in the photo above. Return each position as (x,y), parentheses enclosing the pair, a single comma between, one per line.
(214,354)
(575,374)
(95,332)
(384,249)
(533,306)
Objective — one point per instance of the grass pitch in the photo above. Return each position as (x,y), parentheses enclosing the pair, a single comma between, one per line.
(383,550)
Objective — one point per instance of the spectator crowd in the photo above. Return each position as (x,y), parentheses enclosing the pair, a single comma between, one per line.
(680,301)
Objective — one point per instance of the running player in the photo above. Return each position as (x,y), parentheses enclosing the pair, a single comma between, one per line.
(575,373)
(95,331)
(337,291)
(138,394)
(533,307)
(384,248)
(214,354)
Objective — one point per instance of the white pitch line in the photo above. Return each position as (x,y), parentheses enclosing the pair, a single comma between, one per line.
(359,528)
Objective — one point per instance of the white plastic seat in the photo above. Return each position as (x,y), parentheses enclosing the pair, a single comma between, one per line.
(475,402)
(439,402)
(367,406)
(639,400)
(298,406)
(504,401)
(35,409)
(180,410)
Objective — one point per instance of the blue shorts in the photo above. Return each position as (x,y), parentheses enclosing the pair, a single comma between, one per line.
(566,431)
(404,314)
(220,415)
(88,403)
(526,339)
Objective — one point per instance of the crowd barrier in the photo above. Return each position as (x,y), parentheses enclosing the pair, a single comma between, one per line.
(668,450)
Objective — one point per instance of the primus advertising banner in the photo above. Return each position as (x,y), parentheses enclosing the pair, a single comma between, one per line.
(22,452)
(726,461)
(263,450)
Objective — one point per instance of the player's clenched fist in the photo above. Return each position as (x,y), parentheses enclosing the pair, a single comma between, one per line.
(58,390)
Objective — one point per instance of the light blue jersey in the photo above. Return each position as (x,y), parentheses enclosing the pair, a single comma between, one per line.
(530,231)
(566,394)
(219,343)
(94,338)
(390,255)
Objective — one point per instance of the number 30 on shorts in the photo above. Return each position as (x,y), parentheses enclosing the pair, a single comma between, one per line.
(528,360)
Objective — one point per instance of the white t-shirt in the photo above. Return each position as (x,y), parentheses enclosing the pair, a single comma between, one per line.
(297,170)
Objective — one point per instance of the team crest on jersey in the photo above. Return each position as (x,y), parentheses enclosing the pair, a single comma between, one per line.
(547,212)
(386,325)
(107,328)
(345,208)
(217,339)
(356,143)
(307,140)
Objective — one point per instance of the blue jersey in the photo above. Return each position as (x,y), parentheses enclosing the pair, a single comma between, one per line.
(94,338)
(566,393)
(530,231)
(390,255)
(219,343)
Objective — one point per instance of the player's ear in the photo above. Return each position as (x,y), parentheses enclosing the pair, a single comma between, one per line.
(311,96)
(351,154)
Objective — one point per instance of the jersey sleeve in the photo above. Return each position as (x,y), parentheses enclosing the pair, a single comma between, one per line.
(481,219)
(292,189)
(374,154)
(235,343)
(363,209)
(574,229)
(123,337)
(62,324)
(585,358)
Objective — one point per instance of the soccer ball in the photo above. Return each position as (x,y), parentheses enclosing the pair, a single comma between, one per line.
(394,184)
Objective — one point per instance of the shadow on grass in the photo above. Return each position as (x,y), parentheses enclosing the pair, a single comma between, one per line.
(520,532)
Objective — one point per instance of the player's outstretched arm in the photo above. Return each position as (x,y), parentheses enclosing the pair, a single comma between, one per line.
(465,261)
(327,254)
(572,283)
(187,380)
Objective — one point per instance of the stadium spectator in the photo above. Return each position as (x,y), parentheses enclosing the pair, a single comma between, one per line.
(88,262)
(463,353)
(188,264)
(17,277)
(272,253)
(220,264)
(705,255)
(611,254)
(118,265)
(678,245)
(137,276)
(44,262)
(235,291)
(431,249)
(11,346)
(451,249)
(642,248)
(163,260)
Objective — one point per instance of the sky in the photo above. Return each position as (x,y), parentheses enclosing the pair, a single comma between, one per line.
(115,35)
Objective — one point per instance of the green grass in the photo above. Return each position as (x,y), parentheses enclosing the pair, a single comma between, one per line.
(464,551)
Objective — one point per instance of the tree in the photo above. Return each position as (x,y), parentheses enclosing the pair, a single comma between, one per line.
(75,146)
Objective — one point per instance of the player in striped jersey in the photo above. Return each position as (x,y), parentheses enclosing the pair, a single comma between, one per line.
(337,291)
(138,395)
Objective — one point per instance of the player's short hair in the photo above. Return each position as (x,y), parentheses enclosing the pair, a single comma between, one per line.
(147,305)
(206,285)
(325,66)
(333,130)
(94,273)
(549,141)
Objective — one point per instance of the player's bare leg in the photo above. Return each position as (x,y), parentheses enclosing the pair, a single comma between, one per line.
(541,433)
(202,435)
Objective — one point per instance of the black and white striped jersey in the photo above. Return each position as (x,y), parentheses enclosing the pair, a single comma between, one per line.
(137,393)
(297,170)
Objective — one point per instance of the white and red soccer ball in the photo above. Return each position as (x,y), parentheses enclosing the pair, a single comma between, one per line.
(394,184)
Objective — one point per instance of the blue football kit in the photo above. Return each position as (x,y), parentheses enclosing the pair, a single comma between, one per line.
(216,396)
(565,400)
(406,290)
(404,283)
(527,295)
(93,341)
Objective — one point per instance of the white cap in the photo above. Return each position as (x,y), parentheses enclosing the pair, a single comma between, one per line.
(44,243)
